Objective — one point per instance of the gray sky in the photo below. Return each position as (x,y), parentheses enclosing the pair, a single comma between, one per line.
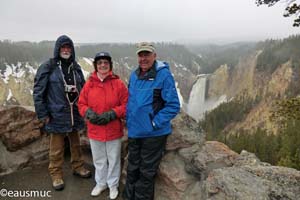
(141,20)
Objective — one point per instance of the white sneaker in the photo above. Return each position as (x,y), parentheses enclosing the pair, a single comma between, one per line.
(113,192)
(97,190)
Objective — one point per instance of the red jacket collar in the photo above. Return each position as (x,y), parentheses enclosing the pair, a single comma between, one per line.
(111,75)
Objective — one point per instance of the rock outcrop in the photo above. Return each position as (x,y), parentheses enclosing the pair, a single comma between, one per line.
(22,143)
(210,170)
(249,179)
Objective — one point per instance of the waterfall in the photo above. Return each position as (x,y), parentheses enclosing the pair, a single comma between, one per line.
(179,95)
(196,102)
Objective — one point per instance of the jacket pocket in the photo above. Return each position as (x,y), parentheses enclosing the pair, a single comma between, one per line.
(58,115)
(142,123)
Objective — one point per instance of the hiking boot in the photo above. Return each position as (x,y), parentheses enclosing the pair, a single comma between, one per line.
(97,190)
(58,184)
(82,172)
(113,192)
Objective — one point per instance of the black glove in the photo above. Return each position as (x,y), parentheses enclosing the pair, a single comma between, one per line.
(90,114)
(104,118)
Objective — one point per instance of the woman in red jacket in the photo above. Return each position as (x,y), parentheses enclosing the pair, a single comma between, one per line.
(103,102)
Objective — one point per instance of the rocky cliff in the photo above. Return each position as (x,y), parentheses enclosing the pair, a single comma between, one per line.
(245,80)
(191,169)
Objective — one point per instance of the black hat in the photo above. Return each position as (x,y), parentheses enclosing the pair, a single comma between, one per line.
(103,55)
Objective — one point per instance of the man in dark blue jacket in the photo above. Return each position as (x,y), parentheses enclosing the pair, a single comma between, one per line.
(152,104)
(56,89)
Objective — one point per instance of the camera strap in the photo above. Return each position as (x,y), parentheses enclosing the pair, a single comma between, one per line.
(61,71)
(71,103)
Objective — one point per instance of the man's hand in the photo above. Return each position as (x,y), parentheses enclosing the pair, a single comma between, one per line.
(44,121)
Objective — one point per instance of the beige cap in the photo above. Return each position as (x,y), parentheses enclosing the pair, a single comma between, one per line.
(145,46)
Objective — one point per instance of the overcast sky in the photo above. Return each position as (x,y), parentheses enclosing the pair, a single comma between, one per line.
(142,20)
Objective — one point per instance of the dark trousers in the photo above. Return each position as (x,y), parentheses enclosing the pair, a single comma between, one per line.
(143,161)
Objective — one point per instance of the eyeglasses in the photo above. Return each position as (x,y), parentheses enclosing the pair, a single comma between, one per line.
(105,62)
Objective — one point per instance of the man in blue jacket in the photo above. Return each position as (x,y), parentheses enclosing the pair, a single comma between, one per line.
(55,93)
(152,104)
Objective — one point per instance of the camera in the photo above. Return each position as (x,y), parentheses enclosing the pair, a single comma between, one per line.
(70,88)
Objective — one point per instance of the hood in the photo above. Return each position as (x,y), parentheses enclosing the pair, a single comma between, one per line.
(94,77)
(160,65)
(59,42)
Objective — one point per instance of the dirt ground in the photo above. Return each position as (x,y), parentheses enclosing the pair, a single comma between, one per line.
(38,179)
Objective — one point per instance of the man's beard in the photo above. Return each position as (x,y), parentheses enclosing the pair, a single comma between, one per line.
(65,55)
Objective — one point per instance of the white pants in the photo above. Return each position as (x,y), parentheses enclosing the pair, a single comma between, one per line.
(107,161)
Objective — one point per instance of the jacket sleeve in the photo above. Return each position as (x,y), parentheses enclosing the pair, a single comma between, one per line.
(83,100)
(40,90)
(80,73)
(82,77)
(123,98)
(171,106)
